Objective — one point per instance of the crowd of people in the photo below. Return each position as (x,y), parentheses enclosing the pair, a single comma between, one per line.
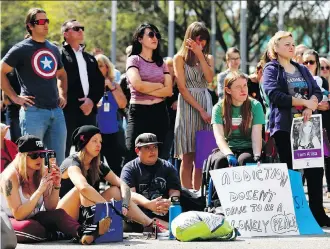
(128,130)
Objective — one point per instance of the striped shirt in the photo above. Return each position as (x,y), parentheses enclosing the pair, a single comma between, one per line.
(149,72)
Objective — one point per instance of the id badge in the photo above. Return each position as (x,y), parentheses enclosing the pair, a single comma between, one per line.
(106,107)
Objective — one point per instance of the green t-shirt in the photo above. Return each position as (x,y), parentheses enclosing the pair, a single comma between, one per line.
(236,140)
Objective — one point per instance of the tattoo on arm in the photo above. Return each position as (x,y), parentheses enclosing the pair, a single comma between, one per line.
(126,193)
(9,187)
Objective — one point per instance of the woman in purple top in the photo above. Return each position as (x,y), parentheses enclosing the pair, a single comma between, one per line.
(150,82)
(292,92)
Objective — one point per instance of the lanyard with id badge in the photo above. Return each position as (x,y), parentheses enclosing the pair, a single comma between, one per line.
(106,105)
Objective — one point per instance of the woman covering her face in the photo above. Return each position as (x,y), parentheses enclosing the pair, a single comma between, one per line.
(193,68)
(292,92)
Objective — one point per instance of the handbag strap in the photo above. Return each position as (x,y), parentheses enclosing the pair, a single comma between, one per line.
(116,210)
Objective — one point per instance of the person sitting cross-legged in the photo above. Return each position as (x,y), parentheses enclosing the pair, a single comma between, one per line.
(81,175)
(153,181)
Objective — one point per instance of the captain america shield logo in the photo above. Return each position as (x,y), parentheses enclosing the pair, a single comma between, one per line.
(44,63)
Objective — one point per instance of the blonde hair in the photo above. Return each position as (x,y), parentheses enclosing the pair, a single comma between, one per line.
(326,61)
(93,173)
(193,31)
(20,165)
(273,42)
(101,58)
(169,61)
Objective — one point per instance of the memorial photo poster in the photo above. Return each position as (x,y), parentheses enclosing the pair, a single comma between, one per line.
(257,200)
(307,143)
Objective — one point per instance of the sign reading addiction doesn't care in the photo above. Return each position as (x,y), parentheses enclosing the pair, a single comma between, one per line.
(257,200)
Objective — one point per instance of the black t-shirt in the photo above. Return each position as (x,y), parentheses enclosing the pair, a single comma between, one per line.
(73,160)
(151,181)
(254,92)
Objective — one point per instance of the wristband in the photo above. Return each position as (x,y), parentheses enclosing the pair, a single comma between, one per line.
(125,206)
(57,187)
(111,90)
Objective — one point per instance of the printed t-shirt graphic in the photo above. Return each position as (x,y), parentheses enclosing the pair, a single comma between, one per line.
(44,63)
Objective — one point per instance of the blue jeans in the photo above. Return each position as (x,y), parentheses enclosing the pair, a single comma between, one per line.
(48,125)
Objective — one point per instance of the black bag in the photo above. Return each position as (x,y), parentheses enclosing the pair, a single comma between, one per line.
(191,201)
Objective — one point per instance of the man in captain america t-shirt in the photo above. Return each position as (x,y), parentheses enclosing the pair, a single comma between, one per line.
(43,83)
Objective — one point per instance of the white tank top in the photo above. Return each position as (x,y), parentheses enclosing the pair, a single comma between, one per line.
(7,210)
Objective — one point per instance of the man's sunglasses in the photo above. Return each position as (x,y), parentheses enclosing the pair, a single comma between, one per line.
(325,68)
(76,28)
(35,155)
(40,22)
(310,62)
(152,34)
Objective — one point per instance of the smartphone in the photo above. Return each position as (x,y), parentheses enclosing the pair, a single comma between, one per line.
(50,159)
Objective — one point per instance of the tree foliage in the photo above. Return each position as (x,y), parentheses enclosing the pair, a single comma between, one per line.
(96,17)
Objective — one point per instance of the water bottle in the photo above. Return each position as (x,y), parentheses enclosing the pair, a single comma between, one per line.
(174,211)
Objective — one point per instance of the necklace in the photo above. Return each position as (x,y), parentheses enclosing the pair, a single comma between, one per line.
(146,58)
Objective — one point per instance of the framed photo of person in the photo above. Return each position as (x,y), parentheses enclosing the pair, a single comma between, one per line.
(307,143)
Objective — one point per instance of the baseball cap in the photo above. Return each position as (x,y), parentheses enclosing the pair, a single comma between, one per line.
(146,139)
(28,143)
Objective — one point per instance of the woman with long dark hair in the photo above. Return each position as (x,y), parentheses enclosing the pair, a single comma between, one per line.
(150,82)
(237,124)
(292,92)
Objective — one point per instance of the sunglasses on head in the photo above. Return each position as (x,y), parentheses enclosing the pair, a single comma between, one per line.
(152,34)
(40,22)
(325,68)
(35,155)
(76,28)
(310,62)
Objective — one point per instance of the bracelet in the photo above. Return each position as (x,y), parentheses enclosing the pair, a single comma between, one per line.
(111,90)
(57,187)
(125,206)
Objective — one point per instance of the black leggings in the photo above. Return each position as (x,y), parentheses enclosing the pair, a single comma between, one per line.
(314,176)
(145,119)
(113,151)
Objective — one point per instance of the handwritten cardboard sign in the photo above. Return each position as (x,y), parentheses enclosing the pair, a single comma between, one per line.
(257,200)
(307,143)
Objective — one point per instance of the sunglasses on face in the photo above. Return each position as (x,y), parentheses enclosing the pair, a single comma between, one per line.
(76,29)
(152,34)
(35,155)
(310,62)
(325,68)
(40,22)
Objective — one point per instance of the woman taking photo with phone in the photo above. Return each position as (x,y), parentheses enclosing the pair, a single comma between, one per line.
(193,68)
(237,124)
(26,188)
(150,82)
(292,92)
(81,174)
